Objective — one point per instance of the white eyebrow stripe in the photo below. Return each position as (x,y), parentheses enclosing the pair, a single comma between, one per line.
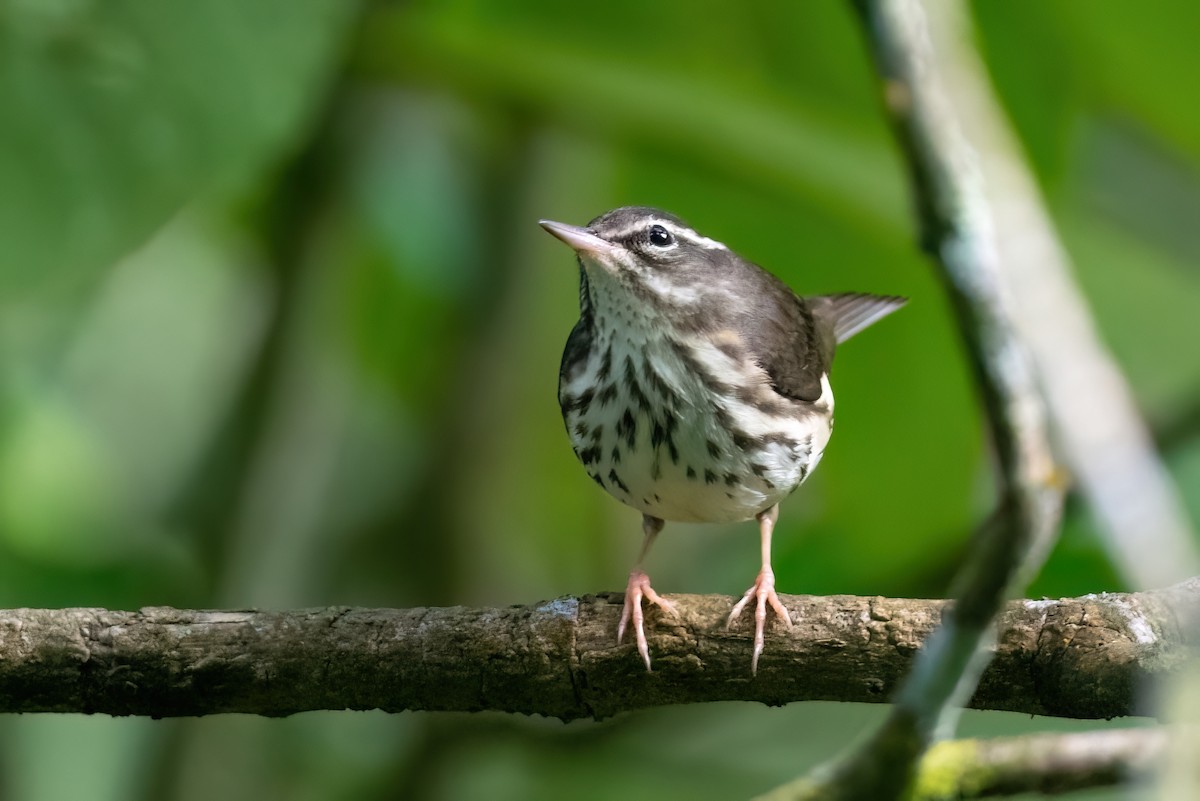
(695,238)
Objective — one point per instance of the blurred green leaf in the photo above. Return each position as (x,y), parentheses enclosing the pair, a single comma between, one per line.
(116,113)
(57,488)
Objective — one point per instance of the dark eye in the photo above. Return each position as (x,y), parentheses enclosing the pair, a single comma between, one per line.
(660,237)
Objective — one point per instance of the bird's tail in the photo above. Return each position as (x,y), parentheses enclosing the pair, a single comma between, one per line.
(851,312)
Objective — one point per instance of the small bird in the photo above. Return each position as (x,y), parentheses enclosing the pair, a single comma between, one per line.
(695,386)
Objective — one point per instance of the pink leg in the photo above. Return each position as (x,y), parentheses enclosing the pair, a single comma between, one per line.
(763,590)
(638,588)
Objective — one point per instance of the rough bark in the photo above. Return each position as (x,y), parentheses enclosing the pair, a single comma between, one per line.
(1081,657)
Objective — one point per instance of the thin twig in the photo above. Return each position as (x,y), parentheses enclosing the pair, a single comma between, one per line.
(1048,764)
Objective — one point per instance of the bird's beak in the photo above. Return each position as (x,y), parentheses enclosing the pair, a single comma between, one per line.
(581,240)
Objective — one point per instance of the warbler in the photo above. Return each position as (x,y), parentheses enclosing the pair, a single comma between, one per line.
(695,386)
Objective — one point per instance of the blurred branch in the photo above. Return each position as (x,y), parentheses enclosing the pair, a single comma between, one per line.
(1098,427)
(914,45)
(1048,764)
(289,219)
(1081,657)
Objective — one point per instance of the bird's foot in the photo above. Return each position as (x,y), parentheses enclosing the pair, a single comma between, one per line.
(637,589)
(763,592)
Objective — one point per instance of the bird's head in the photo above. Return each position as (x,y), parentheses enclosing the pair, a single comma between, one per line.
(651,255)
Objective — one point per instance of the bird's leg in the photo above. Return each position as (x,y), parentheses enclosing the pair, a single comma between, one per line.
(763,590)
(638,588)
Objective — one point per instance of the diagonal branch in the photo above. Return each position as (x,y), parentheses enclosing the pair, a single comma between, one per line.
(1079,657)
(912,50)
(914,45)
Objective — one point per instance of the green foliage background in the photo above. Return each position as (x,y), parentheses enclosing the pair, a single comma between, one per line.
(277,329)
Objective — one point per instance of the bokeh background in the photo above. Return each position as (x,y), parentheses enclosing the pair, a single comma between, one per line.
(278,329)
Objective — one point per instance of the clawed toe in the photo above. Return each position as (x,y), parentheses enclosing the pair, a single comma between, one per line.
(763,593)
(637,589)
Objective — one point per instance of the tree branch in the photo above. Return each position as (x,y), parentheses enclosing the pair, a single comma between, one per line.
(1039,763)
(953,770)
(1079,657)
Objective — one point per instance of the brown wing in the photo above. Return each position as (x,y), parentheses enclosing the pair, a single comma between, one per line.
(784,337)
(794,338)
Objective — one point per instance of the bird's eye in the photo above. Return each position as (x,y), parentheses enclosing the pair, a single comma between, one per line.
(660,237)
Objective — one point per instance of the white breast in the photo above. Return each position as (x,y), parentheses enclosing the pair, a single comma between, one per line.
(671,442)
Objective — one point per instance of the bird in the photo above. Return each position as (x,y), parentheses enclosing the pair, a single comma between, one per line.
(695,386)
